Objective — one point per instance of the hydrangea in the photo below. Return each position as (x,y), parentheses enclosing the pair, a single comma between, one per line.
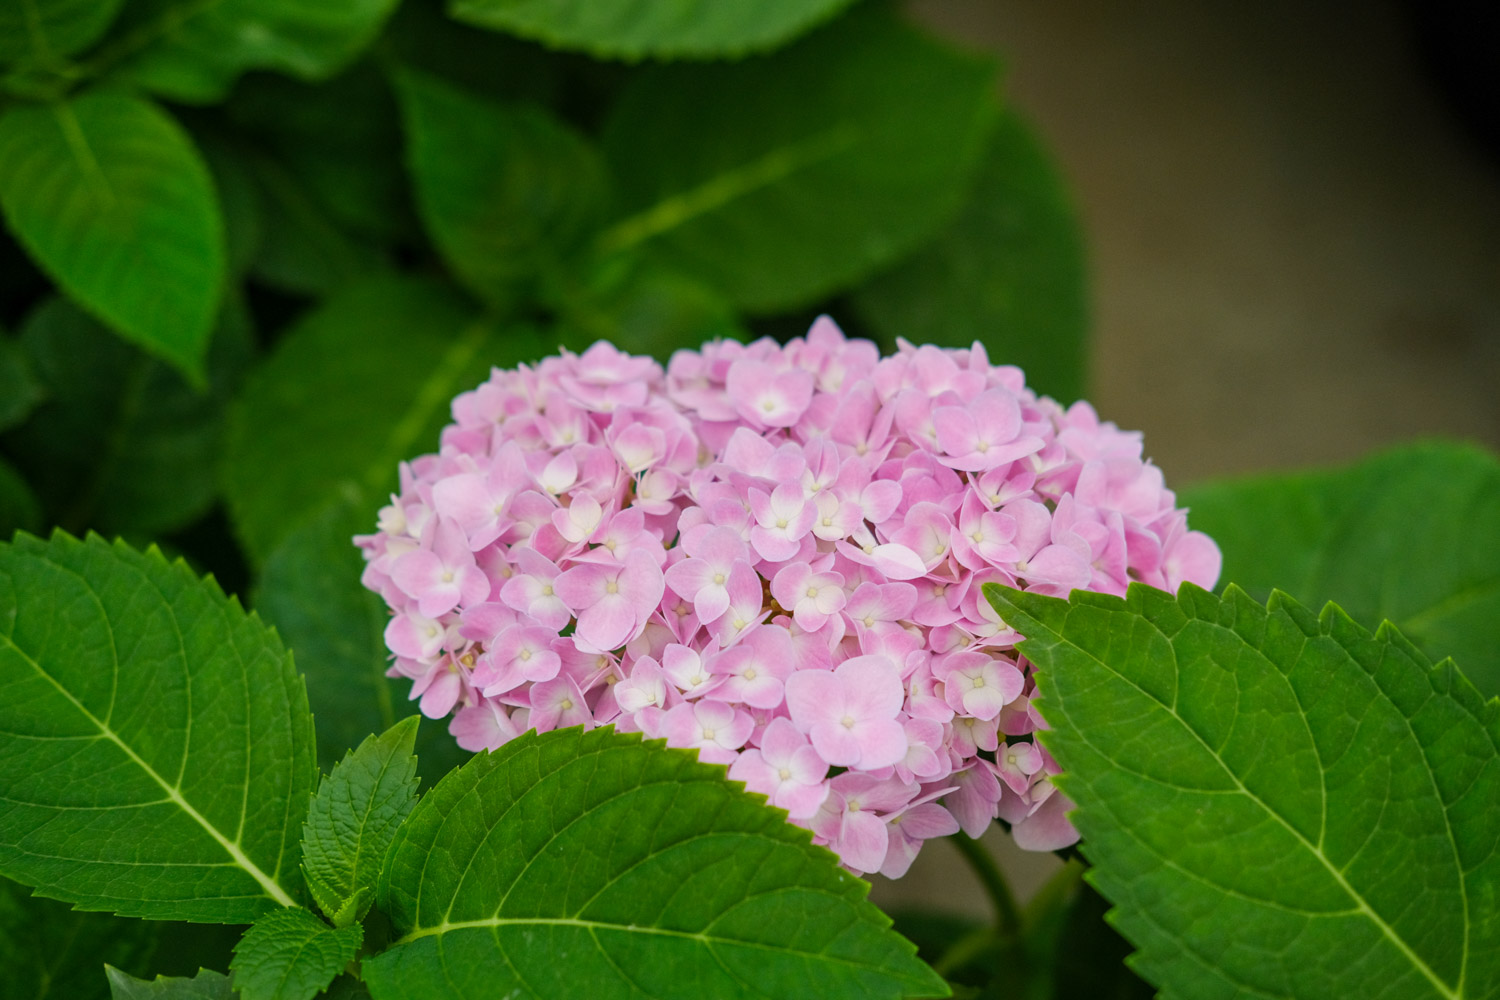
(773,554)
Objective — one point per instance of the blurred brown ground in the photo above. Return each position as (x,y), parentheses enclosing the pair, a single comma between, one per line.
(1295,247)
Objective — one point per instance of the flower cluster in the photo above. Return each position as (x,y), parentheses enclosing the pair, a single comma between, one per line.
(773,554)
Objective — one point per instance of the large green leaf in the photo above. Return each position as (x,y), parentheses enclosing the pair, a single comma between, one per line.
(356,387)
(505,192)
(155,742)
(290,954)
(1278,804)
(123,444)
(1411,535)
(661,29)
(783,179)
(1009,272)
(194,50)
(573,863)
(110,197)
(354,816)
(44,31)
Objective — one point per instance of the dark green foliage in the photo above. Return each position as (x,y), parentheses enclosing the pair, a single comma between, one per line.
(784,179)
(122,443)
(1008,272)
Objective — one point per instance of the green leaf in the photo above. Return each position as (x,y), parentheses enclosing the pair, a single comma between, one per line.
(505,192)
(573,863)
(155,741)
(357,386)
(109,196)
(1411,534)
(354,816)
(291,955)
(309,589)
(239,201)
(44,31)
(19,509)
(646,306)
(123,444)
(340,139)
(1277,804)
(782,180)
(48,949)
(206,985)
(195,51)
(20,391)
(1008,272)
(302,249)
(660,29)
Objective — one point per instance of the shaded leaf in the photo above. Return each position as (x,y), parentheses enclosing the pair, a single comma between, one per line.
(49,949)
(302,248)
(423,37)
(1411,534)
(341,140)
(206,985)
(19,389)
(123,444)
(310,590)
(354,816)
(110,197)
(195,51)
(644,307)
(290,954)
(1276,803)
(661,29)
(154,739)
(19,509)
(505,192)
(44,31)
(577,862)
(781,180)
(357,386)
(1008,272)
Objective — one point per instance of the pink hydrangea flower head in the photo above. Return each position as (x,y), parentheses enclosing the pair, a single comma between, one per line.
(773,554)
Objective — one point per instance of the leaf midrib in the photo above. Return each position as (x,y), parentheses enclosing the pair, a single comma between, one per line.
(726,187)
(1362,905)
(236,854)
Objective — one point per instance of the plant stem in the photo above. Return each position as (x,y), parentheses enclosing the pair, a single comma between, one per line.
(1007,914)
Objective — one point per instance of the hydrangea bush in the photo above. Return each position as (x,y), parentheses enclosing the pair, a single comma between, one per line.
(773,554)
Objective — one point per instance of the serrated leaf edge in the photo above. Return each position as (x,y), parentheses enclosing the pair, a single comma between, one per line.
(1279,602)
(272,888)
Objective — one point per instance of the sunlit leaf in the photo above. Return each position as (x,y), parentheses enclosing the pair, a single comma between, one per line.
(155,743)
(1277,804)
